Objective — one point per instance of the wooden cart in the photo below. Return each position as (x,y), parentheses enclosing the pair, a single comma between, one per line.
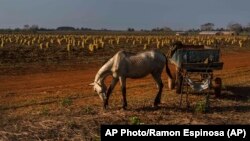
(194,67)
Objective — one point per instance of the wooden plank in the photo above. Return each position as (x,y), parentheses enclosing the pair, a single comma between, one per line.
(195,56)
(202,66)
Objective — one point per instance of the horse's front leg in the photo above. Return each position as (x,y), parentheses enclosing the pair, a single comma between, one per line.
(110,89)
(123,88)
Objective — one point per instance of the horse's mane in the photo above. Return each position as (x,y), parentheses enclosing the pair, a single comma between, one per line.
(105,61)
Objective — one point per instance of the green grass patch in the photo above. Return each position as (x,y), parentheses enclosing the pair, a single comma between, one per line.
(134,120)
(45,111)
(65,102)
(88,110)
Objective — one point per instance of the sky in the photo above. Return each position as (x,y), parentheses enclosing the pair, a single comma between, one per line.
(122,14)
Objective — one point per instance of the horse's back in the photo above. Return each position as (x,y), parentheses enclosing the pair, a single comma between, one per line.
(140,64)
(152,57)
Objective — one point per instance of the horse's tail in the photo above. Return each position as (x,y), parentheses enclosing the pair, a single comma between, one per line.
(170,81)
(167,68)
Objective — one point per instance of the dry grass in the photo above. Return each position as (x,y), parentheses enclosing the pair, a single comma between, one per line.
(58,121)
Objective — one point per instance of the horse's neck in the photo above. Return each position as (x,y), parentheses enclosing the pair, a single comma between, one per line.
(103,72)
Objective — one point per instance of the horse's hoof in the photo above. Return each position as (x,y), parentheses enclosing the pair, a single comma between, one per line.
(105,107)
(124,107)
(155,106)
(156,103)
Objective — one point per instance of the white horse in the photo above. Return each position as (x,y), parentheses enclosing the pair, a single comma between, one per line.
(129,65)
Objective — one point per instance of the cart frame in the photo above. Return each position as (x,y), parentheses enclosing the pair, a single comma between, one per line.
(196,60)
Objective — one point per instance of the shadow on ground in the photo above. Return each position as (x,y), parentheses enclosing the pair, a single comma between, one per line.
(236,93)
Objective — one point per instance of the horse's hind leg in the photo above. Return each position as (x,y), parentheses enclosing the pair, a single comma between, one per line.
(157,78)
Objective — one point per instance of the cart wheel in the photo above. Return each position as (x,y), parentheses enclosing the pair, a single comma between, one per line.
(217,86)
(179,82)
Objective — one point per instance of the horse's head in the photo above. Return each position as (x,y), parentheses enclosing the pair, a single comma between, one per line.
(100,89)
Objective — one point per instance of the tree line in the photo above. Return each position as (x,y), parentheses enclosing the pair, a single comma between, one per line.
(232,26)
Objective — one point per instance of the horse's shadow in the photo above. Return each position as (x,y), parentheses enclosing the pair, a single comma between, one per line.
(147,109)
(236,108)
(162,107)
(236,93)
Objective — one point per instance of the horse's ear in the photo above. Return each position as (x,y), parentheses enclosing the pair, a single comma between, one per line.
(92,84)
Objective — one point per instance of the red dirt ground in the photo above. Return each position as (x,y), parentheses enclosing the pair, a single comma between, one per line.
(33,102)
(79,79)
